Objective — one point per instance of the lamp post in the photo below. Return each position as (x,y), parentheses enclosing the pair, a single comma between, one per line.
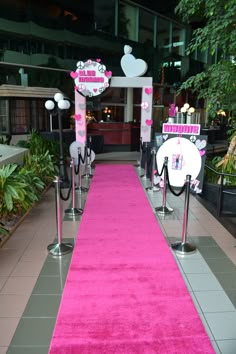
(58,106)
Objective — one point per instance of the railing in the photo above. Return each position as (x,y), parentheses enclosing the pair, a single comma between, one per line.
(222,191)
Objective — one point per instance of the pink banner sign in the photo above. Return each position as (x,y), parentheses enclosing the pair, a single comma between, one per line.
(183,129)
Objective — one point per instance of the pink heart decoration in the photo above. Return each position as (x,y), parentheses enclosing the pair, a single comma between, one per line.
(77,116)
(98,60)
(108,73)
(149,122)
(95,90)
(148,90)
(73,74)
(202,152)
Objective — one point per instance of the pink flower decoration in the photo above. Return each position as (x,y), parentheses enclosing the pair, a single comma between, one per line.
(144,105)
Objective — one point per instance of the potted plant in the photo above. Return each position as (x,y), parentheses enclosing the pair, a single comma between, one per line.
(220,178)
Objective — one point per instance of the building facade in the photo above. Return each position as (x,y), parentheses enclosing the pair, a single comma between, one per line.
(41,42)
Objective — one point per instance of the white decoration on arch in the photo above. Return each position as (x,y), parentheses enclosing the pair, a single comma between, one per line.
(130,65)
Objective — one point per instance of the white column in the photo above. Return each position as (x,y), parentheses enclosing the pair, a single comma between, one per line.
(129,108)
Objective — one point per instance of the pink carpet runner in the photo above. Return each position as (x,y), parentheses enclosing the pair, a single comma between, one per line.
(124,293)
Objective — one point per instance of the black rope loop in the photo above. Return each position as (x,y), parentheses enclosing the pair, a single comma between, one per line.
(144,147)
(69,189)
(160,174)
(177,194)
(76,169)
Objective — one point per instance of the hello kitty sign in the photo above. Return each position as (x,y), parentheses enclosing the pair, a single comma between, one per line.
(91,77)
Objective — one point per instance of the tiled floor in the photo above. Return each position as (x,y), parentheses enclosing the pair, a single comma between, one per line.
(31,280)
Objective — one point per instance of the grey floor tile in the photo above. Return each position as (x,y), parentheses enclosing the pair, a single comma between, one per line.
(42,306)
(203,241)
(222,324)
(227,346)
(28,350)
(212,252)
(227,280)
(49,285)
(232,295)
(59,268)
(194,266)
(214,301)
(203,282)
(221,265)
(34,332)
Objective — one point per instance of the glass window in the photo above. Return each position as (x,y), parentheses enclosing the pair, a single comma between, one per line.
(146,27)
(163,36)
(4,114)
(128,21)
(19,116)
(178,40)
(104,12)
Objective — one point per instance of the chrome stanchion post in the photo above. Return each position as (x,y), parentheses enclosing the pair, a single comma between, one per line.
(138,165)
(59,248)
(90,164)
(184,247)
(73,211)
(163,209)
(153,188)
(79,188)
(144,176)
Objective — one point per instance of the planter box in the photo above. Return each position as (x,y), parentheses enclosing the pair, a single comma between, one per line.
(211,193)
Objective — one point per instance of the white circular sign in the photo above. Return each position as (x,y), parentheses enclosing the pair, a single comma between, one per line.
(77,147)
(183,159)
(91,77)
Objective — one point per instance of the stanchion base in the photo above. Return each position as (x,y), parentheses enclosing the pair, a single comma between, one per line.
(152,189)
(59,249)
(74,211)
(164,210)
(183,248)
(87,175)
(81,189)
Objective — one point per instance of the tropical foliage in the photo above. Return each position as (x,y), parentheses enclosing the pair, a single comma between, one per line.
(217,37)
(22,186)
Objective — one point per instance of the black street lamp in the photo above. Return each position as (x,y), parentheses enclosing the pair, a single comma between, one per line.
(58,106)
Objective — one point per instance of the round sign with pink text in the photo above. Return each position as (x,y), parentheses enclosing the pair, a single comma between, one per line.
(91,77)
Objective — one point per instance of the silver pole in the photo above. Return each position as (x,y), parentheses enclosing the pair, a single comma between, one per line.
(73,211)
(59,248)
(163,209)
(184,247)
(152,188)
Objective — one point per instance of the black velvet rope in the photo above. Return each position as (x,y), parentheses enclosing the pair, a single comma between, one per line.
(177,194)
(69,190)
(159,174)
